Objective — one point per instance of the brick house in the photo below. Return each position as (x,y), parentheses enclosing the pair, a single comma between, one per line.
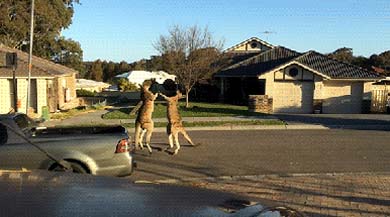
(52,85)
(294,82)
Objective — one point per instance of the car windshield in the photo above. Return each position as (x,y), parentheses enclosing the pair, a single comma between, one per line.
(286,103)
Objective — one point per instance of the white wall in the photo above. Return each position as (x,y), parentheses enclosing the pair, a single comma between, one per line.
(5,99)
(41,95)
(343,97)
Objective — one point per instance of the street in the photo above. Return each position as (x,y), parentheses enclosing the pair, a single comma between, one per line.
(318,172)
(241,153)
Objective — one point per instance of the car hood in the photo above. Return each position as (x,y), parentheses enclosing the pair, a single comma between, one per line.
(42,193)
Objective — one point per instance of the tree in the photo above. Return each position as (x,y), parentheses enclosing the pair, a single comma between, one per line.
(188,53)
(96,72)
(139,65)
(69,53)
(124,67)
(109,71)
(344,54)
(384,58)
(51,17)
(154,63)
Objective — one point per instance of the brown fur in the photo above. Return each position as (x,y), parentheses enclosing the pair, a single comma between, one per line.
(175,124)
(144,123)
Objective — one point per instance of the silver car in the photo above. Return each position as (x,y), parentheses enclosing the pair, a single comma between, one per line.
(102,151)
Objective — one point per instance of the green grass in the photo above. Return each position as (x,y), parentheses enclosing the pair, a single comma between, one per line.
(196,110)
(72,112)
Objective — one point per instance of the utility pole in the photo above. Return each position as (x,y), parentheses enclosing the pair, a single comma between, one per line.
(14,57)
(30,56)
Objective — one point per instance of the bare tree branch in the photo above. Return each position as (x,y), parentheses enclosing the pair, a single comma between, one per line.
(188,53)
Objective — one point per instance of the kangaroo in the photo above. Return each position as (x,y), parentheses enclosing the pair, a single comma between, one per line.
(144,123)
(175,124)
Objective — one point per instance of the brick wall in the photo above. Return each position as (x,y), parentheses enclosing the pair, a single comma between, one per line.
(260,103)
(63,84)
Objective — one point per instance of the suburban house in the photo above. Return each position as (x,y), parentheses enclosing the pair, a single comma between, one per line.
(282,80)
(138,77)
(91,85)
(52,85)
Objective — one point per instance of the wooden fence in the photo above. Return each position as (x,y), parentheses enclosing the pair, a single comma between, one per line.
(378,101)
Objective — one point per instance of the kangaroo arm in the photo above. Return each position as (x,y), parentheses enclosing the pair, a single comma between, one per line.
(165,97)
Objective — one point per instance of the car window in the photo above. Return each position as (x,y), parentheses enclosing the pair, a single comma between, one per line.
(3,134)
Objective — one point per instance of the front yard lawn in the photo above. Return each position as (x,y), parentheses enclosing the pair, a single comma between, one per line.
(75,111)
(197,109)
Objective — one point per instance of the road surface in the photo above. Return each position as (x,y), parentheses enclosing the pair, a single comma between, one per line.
(239,153)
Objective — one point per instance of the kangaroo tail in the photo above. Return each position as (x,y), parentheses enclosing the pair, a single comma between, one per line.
(187,137)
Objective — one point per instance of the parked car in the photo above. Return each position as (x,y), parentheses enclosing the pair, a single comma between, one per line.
(101,151)
(40,193)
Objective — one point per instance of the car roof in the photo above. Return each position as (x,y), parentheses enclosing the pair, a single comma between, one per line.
(10,116)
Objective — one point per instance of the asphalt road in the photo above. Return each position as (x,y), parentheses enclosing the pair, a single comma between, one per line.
(236,153)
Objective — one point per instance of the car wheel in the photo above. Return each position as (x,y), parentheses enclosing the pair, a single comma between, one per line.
(76,168)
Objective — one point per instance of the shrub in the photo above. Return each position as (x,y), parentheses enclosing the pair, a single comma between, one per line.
(126,85)
(83,92)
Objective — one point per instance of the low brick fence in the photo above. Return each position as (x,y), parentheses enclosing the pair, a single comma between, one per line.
(260,103)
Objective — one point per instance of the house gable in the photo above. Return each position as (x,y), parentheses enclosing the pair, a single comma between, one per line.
(253,44)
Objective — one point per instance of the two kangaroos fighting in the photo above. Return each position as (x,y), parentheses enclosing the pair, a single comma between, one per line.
(145,125)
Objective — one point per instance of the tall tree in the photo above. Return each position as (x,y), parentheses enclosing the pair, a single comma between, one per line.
(109,71)
(51,17)
(96,72)
(188,53)
(344,54)
(154,63)
(124,66)
(69,53)
(385,59)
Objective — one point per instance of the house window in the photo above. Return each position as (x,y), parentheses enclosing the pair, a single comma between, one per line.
(293,72)
(254,45)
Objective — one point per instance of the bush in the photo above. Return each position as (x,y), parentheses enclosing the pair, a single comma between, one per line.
(83,92)
(126,85)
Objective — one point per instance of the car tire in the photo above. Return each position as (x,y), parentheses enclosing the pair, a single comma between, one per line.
(76,168)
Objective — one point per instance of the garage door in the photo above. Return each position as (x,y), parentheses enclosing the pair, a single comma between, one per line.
(344,98)
(293,97)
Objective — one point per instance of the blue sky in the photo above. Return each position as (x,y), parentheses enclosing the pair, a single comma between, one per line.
(125,29)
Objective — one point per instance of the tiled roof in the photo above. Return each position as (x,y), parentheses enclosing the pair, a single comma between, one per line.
(279,56)
(41,67)
(234,57)
(333,68)
(259,64)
